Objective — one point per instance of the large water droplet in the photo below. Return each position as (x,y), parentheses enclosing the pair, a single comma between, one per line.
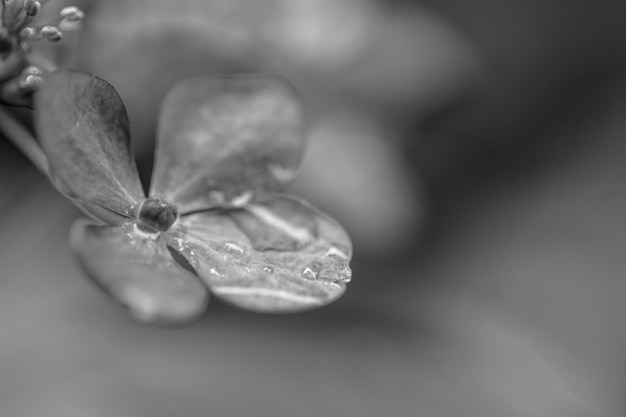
(233,248)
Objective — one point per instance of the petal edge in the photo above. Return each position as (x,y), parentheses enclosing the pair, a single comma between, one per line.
(83,129)
(224,141)
(253,275)
(138,272)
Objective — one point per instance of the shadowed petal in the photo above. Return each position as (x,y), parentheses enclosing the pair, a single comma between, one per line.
(82,125)
(224,141)
(137,271)
(281,256)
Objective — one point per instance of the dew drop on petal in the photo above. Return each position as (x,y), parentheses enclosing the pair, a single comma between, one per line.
(345,275)
(309,273)
(242,199)
(182,247)
(180,244)
(233,248)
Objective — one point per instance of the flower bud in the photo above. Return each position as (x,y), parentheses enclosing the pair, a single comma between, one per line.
(29,83)
(72,13)
(51,33)
(32,7)
(28,33)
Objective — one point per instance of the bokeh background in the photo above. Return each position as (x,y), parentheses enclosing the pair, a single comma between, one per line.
(475,151)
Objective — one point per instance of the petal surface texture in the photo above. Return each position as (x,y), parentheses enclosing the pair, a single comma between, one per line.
(137,271)
(83,128)
(282,256)
(225,141)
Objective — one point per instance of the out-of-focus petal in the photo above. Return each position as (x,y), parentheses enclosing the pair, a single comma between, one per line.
(224,141)
(350,155)
(281,256)
(83,128)
(137,270)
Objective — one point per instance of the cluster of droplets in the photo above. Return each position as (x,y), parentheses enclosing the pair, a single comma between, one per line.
(21,68)
(312,271)
(183,247)
(317,271)
(155,215)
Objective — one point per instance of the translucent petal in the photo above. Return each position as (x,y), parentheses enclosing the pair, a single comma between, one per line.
(82,125)
(224,141)
(281,256)
(137,270)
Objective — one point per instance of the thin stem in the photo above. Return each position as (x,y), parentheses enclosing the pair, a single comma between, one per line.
(23,139)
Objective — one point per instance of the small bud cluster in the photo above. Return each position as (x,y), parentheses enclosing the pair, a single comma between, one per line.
(21,68)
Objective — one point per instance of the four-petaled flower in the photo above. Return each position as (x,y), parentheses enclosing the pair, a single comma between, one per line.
(226,146)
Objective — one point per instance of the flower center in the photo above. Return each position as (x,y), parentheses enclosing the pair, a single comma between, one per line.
(157,214)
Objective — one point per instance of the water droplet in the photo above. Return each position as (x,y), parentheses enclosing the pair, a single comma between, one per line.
(308,273)
(180,244)
(345,275)
(334,251)
(268,269)
(242,199)
(128,229)
(232,247)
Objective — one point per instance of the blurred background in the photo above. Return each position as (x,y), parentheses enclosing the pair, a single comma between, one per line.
(474,149)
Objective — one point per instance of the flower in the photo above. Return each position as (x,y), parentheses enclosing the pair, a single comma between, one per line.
(226,147)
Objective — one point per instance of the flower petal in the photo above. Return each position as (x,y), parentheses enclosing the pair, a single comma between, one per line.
(82,125)
(137,271)
(224,141)
(282,256)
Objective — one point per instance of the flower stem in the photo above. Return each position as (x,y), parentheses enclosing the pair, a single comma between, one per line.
(23,139)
